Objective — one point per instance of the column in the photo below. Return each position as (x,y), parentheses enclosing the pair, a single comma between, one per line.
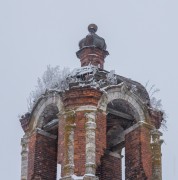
(69,143)
(156,149)
(24,158)
(42,155)
(138,152)
(90,125)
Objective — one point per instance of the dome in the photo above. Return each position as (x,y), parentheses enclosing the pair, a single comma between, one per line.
(92,39)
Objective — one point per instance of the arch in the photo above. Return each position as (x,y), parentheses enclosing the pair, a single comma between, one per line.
(122,92)
(125,112)
(43,137)
(52,99)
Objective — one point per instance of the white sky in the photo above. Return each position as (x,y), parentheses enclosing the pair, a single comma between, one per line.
(142,38)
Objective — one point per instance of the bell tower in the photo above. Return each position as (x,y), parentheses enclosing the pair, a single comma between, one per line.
(84,126)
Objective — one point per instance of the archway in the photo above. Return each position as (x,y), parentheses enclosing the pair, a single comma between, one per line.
(43,139)
(124,113)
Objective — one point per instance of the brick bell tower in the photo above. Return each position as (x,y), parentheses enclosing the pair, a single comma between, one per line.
(85,126)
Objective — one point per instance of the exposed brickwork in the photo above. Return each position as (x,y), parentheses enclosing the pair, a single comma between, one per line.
(156,118)
(81,96)
(80,140)
(79,144)
(42,159)
(138,154)
(31,156)
(84,130)
(92,55)
(100,136)
(110,168)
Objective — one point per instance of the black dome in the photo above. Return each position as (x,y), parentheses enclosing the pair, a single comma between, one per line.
(92,40)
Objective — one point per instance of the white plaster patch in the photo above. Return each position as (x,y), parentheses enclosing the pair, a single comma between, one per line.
(86,108)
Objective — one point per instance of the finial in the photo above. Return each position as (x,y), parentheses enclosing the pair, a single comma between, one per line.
(92,28)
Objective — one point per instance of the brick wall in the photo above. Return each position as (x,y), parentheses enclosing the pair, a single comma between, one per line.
(75,98)
(81,96)
(42,159)
(80,140)
(79,144)
(100,136)
(110,168)
(92,56)
(138,155)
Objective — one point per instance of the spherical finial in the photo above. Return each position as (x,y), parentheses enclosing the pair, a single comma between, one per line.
(92,28)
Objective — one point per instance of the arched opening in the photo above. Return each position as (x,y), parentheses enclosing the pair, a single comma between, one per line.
(121,115)
(43,143)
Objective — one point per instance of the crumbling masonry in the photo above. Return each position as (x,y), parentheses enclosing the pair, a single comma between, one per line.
(85,126)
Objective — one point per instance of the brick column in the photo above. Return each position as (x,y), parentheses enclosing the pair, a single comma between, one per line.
(69,144)
(84,101)
(156,149)
(138,154)
(24,158)
(90,126)
(42,156)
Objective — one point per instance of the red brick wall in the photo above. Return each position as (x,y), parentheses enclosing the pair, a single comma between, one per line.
(80,140)
(100,136)
(138,154)
(79,144)
(42,159)
(31,156)
(81,96)
(110,168)
(73,99)
(92,56)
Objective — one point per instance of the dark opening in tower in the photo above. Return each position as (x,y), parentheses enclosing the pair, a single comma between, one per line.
(121,115)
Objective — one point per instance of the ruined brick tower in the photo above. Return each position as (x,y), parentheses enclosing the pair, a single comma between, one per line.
(85,126)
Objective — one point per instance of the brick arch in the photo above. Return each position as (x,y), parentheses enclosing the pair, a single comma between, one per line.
(121,92)
(43,144)
(52,99)
(136,140)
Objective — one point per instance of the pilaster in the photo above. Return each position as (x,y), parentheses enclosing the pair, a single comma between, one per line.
(24,158)
(156,150)
(90,126)
(69,143)
(138,154)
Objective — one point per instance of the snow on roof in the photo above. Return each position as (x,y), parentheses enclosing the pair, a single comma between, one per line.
(83,70)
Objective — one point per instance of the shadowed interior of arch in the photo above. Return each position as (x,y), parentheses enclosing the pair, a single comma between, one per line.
(120,116)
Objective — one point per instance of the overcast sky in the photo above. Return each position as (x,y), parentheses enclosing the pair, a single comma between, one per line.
(142,39)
